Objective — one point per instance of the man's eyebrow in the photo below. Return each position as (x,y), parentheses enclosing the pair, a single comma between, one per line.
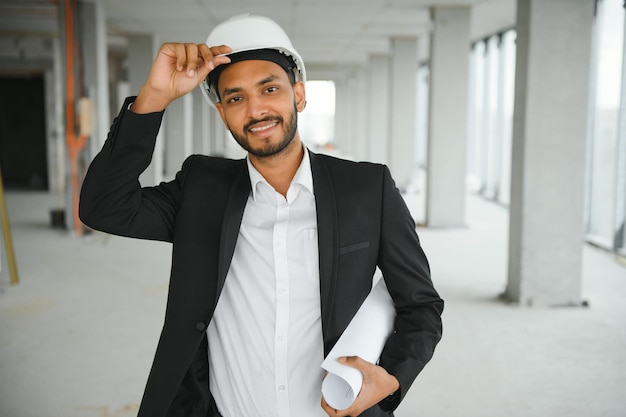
(266,80)
(229,91)
(236,90)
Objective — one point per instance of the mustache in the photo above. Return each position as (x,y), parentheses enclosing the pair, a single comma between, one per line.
(251,123)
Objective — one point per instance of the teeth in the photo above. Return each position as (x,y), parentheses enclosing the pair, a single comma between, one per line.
(262,128)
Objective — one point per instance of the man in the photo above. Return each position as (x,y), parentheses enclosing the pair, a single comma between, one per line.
(273,254)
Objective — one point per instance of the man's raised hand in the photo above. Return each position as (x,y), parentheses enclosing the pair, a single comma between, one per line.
(177,69)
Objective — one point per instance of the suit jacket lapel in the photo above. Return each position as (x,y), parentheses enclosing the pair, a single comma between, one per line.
(327,235)
(235,205)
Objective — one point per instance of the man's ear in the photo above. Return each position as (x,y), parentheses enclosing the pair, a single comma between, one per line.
(300,93)
(220,110)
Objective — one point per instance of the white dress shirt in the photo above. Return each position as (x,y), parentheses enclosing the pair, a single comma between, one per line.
(265,338)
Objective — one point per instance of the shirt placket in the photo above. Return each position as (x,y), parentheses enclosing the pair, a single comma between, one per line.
(282,307)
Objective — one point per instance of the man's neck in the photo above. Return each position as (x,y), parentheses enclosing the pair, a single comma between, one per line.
(278,170)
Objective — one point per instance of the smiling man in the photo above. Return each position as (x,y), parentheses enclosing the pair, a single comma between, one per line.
(272,254)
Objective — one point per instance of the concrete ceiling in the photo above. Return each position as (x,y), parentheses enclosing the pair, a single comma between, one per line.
(327,33)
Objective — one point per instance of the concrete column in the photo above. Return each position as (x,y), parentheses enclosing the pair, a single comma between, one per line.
(619,241)
(224,143)
(214,122)
(231,147)
(403,110)
(219,134)
(449,72)
(494,105)
(158,156)
(102,77)
(207,129)
(350,115)
(343,126)
(188,125)
(141,53)
(358,141)
(421,120)
(173,138)
(472,122)
(422,94)
(90,26)
(178,133)
(378,109)
(88,42)
(58,158)
(548,158)
(489,120)
(201,128)
(476,168)
(505,98)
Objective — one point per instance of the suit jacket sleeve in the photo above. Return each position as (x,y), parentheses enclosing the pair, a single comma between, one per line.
(112,199)
(405,269)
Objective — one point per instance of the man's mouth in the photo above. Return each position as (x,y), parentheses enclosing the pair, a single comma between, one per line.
(259,126)
(263,127)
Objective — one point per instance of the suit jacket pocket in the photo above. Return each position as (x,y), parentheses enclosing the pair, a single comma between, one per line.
(354,247)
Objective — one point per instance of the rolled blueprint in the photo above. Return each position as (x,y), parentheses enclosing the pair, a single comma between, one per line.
(365,337)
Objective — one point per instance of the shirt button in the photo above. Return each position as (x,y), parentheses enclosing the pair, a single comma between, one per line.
(280,338)
(281,387)
(200,326)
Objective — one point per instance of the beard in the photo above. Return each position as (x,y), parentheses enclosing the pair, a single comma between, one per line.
(269,149)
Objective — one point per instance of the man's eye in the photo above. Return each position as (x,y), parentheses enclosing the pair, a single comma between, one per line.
(234,99)
(271,89)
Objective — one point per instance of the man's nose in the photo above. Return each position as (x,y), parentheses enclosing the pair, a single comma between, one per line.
(257,107)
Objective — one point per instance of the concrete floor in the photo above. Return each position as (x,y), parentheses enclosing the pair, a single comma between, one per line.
(77,335)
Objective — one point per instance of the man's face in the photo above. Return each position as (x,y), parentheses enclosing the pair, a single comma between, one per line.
(259,106)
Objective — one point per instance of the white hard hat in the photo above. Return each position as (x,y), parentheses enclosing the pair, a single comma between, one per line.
(249,33)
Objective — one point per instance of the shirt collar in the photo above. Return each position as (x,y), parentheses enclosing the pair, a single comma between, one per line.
(303,176)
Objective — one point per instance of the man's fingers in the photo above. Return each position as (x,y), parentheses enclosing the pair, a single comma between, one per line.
(332,412)
(213,56)
(353,362)
(191,54)
(220,50)
(206,55)
(195,58)
(187,57)
(221,59)
(377,384)
(180,55)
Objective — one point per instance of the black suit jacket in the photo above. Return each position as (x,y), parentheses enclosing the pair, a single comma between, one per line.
(362,220)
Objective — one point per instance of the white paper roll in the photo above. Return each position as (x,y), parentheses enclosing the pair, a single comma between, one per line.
(365,337)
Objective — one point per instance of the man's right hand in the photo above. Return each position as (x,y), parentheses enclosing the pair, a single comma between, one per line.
(177,69)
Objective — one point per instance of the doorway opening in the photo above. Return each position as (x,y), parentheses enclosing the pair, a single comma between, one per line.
(23,150)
